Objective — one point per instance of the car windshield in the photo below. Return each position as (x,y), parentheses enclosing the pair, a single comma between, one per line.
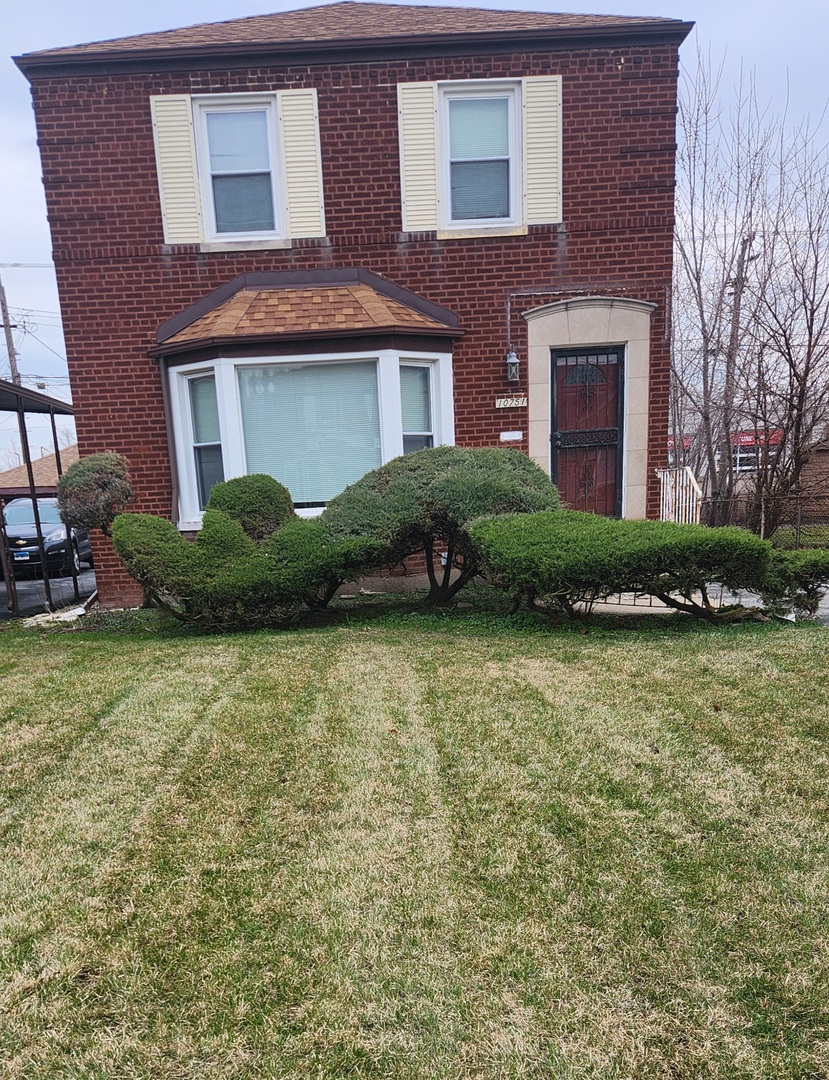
(21,512)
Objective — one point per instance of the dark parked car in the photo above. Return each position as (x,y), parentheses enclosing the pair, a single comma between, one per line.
(24,553)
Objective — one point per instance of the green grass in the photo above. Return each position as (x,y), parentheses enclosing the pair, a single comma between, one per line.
(446,846)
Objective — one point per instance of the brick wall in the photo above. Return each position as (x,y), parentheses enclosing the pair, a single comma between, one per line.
(118,281)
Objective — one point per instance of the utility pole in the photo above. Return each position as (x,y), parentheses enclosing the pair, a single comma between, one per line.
(8,327)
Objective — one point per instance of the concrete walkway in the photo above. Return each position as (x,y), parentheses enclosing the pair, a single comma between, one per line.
(31,595)
(638,605)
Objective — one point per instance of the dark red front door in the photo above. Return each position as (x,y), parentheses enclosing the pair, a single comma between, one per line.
(586,435)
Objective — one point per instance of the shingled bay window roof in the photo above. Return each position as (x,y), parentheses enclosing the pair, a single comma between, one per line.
(356,25)
(320,304)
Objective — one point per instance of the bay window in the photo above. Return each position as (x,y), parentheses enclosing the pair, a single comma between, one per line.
(315,423)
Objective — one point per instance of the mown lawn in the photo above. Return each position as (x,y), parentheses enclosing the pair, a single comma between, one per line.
(439,848)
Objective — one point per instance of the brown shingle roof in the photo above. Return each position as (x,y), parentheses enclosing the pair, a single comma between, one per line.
(304,311)
(350,22)
(297,310)
(44,468)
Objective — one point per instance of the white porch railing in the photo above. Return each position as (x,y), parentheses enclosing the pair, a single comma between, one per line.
(680,496)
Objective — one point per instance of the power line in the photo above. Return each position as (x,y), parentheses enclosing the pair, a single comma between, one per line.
(45,346)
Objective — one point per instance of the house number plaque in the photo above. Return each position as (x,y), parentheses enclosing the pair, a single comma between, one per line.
(510,402)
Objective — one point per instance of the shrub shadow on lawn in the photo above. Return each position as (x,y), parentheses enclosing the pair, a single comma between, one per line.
(482,610)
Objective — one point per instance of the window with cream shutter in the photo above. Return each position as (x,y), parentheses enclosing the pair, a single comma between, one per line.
(239,169)
(418,133)
(482,156)
(541,101)
(178,177)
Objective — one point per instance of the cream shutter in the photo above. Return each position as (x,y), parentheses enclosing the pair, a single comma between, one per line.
(542,149)
(417,124)
(175,156)
(303,164)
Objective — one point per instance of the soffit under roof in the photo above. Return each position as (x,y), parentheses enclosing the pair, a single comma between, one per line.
(355,24)
(314,304)
(31,400)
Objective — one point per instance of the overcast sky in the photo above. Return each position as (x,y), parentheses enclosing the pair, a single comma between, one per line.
(784,44)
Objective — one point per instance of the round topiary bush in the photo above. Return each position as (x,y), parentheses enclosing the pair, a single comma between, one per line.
(258,502)
(93,491)
(419,501)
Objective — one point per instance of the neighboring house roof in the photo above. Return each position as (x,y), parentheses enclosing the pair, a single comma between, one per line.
(15,482)
(368,25)
(310,304)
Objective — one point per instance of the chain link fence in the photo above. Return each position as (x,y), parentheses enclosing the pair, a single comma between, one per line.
(791,522)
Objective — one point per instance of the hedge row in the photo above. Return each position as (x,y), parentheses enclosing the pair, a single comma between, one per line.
(254,563)
(566,559)
(419,502)
(235,575)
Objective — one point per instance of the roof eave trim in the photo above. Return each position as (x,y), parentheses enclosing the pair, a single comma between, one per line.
(663,32)
(176,349)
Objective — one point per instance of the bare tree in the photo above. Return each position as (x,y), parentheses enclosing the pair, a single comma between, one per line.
(67,437)
(11,456)
(786,380)
(751,295)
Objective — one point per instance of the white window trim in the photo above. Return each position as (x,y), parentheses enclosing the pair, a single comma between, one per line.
(389,362)
(406,362)
(511,90)
(202,108)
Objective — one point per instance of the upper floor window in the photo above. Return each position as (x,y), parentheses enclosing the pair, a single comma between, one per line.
(236,156)
(481,166)
(237,171)
(480,157)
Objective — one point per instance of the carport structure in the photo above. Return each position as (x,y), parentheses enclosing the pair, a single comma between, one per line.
(22,401)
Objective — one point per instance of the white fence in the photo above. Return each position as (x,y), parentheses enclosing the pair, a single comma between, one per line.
(680,496)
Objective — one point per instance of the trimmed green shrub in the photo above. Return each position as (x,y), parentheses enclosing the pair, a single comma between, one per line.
(260,503)
(156,555)
(796,581)
(225,581)
(94,490)
(317,564)
(570,557)
(420,501)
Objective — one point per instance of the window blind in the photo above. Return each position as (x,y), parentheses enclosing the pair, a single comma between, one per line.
(207,446)
(479,158)
(240,170)
(314,427)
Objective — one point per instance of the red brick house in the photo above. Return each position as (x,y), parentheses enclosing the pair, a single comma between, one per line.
(305,243)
